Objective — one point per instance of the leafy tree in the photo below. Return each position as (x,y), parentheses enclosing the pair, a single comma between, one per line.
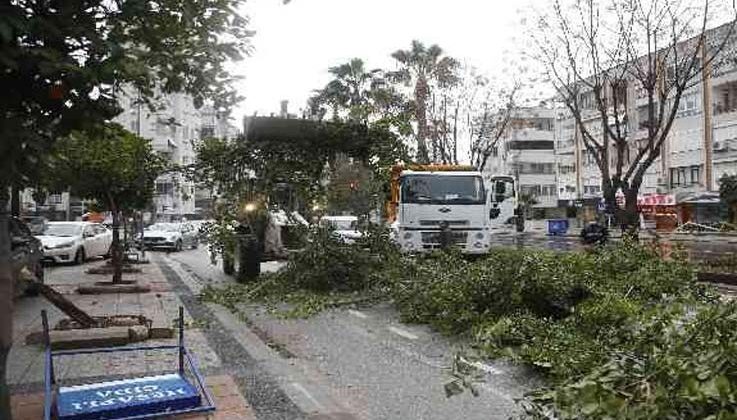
(63,64)
(422,67)
(112,166)
(352,188)
(362,96)
(296,152)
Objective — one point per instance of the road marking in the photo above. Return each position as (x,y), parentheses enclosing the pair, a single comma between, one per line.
(482,366)
(403,333)
(357,314)
(309,396)
(496,391)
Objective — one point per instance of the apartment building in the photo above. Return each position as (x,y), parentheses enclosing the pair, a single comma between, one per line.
(700,148)
(526,151)
(173,129)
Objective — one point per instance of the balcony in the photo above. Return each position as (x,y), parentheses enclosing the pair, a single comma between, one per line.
(531,134)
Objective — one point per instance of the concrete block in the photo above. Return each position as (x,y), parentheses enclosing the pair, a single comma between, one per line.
(123,288)
(87,338)
(137,333)
(160,332)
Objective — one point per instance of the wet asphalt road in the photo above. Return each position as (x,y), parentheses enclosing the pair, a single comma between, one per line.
(363,363)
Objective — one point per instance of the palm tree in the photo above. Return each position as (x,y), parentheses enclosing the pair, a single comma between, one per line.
(420,66)
(349,90)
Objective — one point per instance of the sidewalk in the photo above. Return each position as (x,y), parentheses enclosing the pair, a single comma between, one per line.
(26,364)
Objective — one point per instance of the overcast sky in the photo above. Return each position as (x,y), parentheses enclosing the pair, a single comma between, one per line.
(296,43)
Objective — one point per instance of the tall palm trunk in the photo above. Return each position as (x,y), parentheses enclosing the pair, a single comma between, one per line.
(421,92)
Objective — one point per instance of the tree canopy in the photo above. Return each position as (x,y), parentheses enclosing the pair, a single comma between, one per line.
(64,63)
(292,151)
(112,166)
(108,164)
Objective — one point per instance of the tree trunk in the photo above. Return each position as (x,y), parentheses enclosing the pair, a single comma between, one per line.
(6,303)
(117,250)
(15,201)
(630,216)
(421,117)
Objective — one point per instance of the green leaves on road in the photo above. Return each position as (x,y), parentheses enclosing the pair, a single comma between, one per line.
(617,332)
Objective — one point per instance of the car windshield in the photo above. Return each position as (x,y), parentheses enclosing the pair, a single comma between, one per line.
(164,227)
(443,189)
(340,224)
(62,229)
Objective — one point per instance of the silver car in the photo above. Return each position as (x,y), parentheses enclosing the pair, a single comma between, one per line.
(173,236)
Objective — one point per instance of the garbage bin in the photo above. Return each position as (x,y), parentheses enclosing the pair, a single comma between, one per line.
(248,253)
(557,226)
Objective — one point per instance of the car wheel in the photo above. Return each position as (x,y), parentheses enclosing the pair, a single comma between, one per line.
(79,256)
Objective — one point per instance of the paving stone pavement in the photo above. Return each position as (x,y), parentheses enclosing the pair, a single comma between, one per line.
(25,364)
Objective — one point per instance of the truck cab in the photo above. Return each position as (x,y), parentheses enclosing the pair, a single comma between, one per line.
(503,209)
(430,201)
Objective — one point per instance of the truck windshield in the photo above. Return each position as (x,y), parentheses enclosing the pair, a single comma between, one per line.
(443,189)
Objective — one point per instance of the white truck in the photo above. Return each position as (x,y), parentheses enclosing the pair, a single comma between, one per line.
(455,198)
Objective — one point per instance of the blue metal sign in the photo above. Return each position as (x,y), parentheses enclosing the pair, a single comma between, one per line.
(126,398)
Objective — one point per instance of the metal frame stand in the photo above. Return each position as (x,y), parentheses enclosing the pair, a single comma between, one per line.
(186,361)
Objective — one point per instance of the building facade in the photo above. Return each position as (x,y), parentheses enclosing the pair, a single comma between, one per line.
(526,151)
(700,148)
(173,129)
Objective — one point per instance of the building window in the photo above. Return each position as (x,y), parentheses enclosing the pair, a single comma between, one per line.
(589,159)
(726,98)
(685,176)
(619,92)
(591,189)
(54,198)
(688,105)
(164,188)
(495,151)
(643,116)
(587,100)
(566,169)
(548,190)
(695,174)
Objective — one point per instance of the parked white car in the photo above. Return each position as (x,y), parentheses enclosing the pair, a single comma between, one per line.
(174,236)
(75,242)
(345,228)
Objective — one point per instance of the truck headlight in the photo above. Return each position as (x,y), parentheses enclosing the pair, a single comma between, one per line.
(407,235)
(63,245)
(478,245)
(480,235)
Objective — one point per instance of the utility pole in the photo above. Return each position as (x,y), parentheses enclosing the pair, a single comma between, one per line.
(578,161)
(708,132)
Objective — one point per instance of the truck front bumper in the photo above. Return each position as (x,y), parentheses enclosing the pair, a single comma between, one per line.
(469,241)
